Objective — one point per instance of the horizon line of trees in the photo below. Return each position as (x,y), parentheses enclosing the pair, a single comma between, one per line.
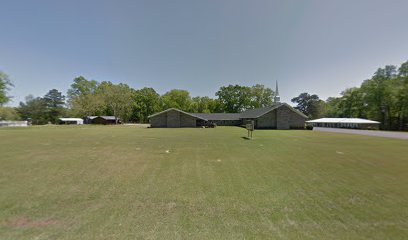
(383,97)
(90,97)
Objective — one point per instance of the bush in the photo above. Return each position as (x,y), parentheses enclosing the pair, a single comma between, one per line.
(8,113)
(309,127)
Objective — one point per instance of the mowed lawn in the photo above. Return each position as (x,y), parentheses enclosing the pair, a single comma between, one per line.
(124,182)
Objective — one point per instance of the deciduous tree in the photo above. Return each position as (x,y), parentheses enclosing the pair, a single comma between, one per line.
(116,98)
(146,101)
(309,104)
(234,98)
(82,98)
(177,98)
(9,113)
(5,85)
(261,96)
(81,86)
(33,109)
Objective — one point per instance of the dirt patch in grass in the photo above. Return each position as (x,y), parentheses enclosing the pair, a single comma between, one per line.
(25,222)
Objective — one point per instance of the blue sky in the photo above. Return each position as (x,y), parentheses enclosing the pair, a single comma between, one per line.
(319,46)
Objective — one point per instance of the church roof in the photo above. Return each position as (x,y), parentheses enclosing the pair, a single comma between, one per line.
(257,112)
(178,110)
(218,116)
(250,113)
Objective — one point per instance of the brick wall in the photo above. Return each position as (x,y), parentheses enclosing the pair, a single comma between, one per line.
(267,121)
(288,119)
(159,120)
(296,121)
(283,117)
(173,119)
(187,120)
(280,118)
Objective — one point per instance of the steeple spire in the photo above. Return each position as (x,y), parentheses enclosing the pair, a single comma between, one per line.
(276,99)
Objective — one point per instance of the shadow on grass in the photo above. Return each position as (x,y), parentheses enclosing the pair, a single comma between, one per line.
(247,138)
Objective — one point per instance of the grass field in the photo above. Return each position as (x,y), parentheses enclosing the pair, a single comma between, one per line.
(123,182)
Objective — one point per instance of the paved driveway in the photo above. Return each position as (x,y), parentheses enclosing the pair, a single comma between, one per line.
(388,134)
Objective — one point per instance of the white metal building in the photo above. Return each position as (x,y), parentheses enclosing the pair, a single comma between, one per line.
(13,123)
(74,121)
(356,123)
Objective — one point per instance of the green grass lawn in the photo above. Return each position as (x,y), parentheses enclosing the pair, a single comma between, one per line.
(124,182)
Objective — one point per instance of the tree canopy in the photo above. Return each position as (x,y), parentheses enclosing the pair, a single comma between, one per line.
(177,98)
(383,97)
(33,109)
(9,113)
(309,104)
(81,86)
(41,110)
(146,101)
(237,98)
(5,85)
(54,103)
(116,99)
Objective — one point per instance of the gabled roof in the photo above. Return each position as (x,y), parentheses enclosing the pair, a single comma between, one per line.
(218,116)
(258,112)
(108,117)
(104,117)
(251,113)
(178,110)
(342,120)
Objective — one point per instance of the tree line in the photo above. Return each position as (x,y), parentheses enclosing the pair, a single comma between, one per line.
(383,97)
(90,97)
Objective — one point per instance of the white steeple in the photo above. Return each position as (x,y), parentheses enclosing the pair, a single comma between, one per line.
(276,99)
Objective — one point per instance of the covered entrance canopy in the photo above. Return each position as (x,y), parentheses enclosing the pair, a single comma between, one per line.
(356,123)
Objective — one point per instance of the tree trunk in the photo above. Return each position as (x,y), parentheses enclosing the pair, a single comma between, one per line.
(390,123)
(401,119)
(116,118)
